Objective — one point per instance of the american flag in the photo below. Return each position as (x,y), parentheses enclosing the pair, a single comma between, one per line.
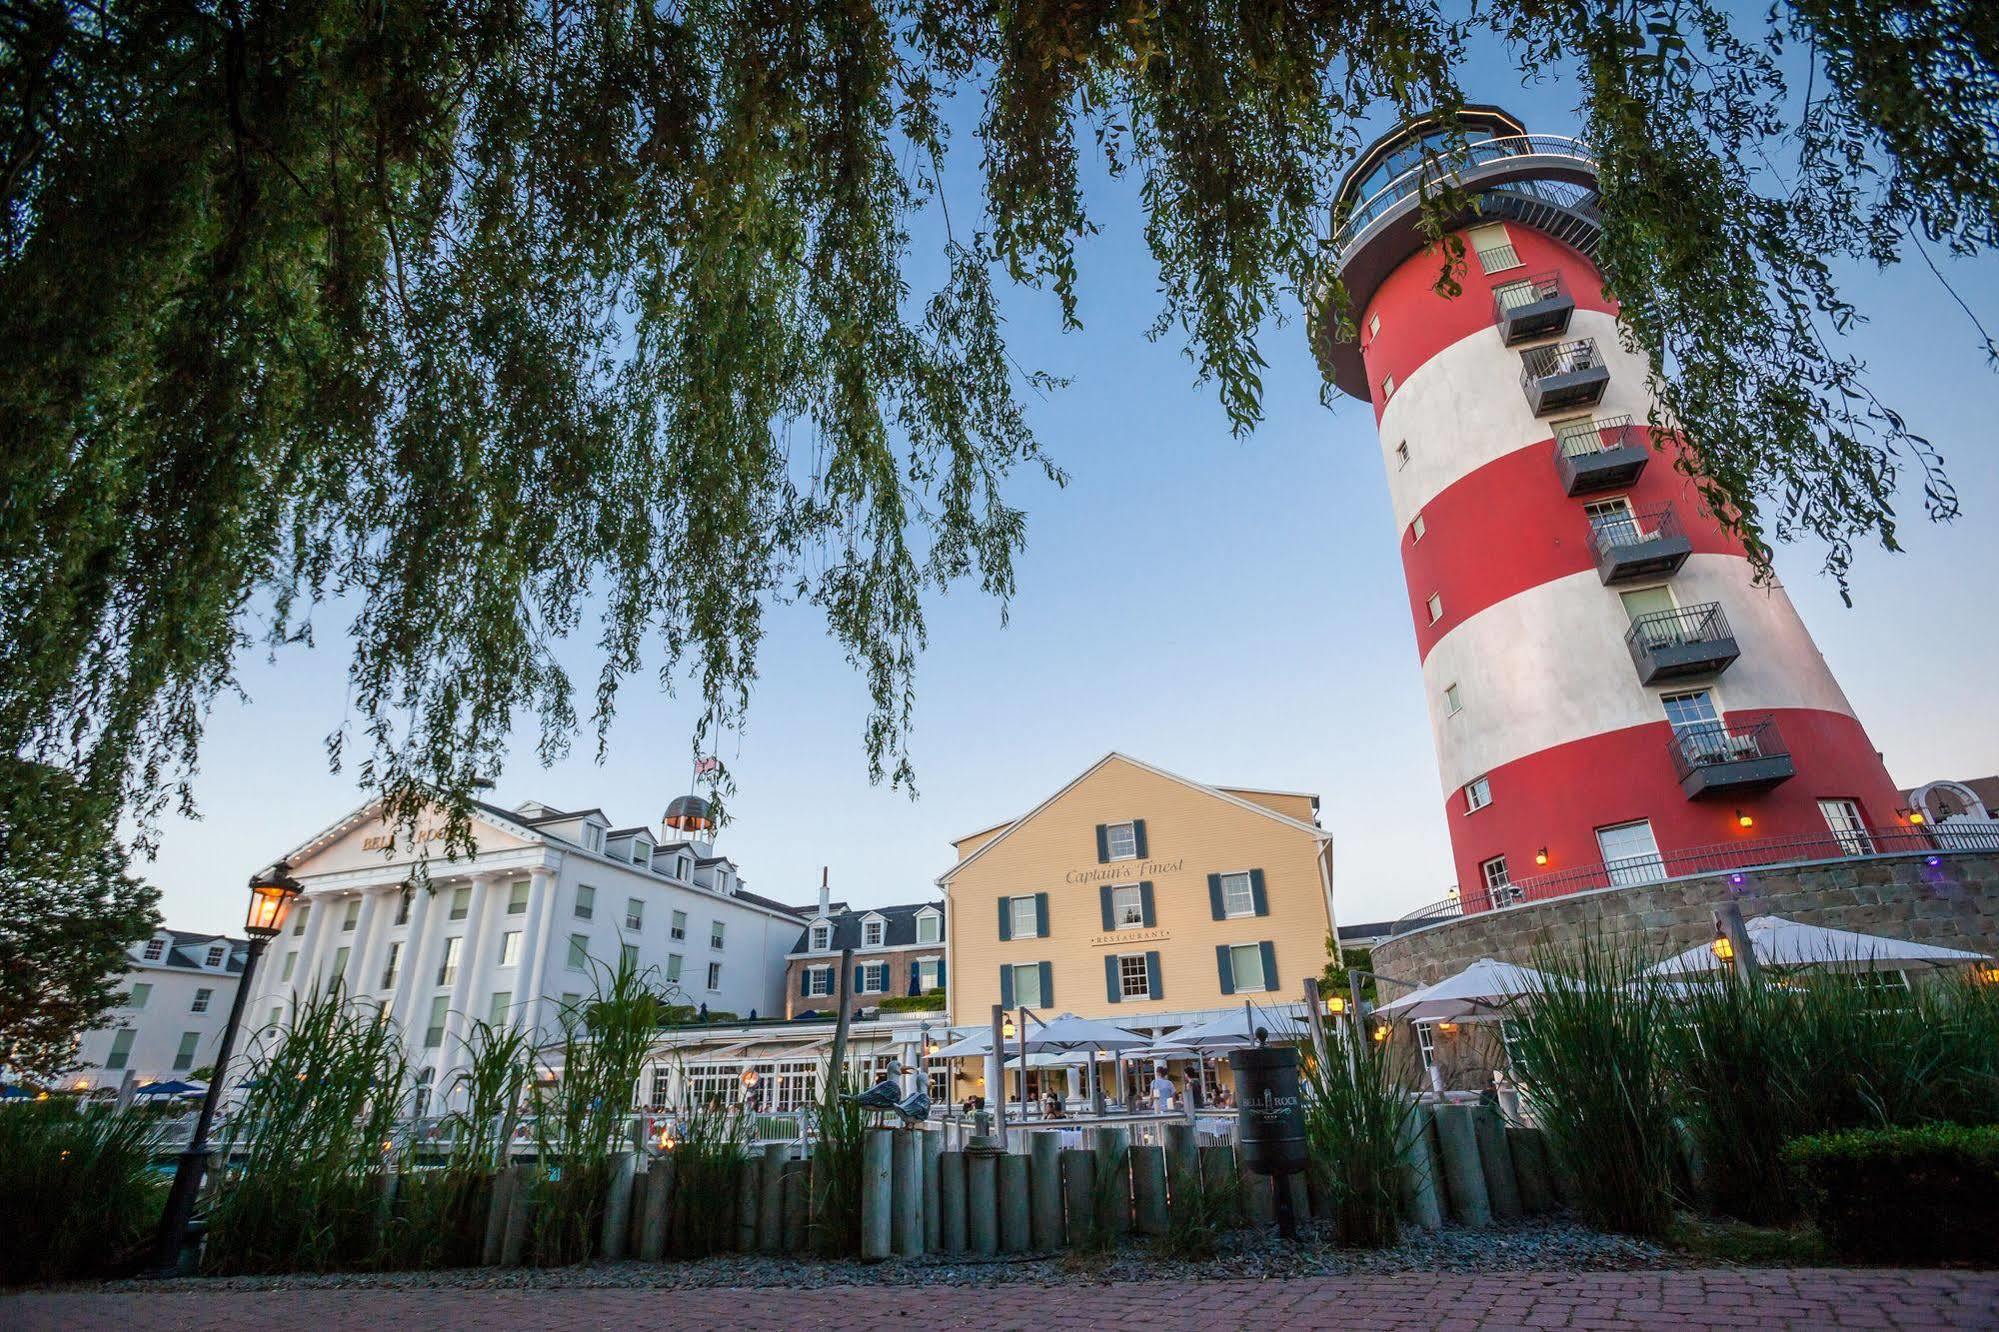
(702,767)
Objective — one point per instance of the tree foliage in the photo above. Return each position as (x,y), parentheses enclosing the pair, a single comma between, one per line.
(499,324)
(68,911)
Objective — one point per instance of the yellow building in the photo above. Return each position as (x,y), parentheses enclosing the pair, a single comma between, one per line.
(1141,897)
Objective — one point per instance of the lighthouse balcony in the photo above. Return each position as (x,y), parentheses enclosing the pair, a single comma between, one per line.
(1636,545)
(1593,455)
(1535,307)
(1681,644)
(1731,758)
(1563,375)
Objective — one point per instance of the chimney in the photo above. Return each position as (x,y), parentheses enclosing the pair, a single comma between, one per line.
(825,893)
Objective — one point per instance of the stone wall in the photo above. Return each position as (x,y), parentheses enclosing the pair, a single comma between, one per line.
(1954,903)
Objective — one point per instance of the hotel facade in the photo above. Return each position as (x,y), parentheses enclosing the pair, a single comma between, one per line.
(169,1018)
(517,932)
(1141,897)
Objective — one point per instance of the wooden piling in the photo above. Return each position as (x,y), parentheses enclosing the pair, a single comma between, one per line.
(951,1202)
(1217,1175)
(1079,1193)
(1530,1168)
(520,1200)
(1502,1186)
(797,1188)
(1148,1189)
(906,1183)
(499,1195)
(1464,1177)
(1045,1190)
(1301,1194)
(1016,1207)
(744,1190)
(1259,1199)
(1113,1148)
(932,1151)
(982,1233)
(877,1194)
(659,1192)
(617,1207)
(1422,1185)
(770,1196)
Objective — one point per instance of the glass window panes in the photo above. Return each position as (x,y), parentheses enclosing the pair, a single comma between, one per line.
(1478,794)
(291,963)
(447,970)
(715,935)
(391,965)
(1026,922)
(510,948)
(635,914)
(299,911)
(677,929)
(586,902)
(402,908)
(929,927)
(1493,247)
(517,899)
(1127,906)
(822,938)
(1246,966)
(433,1032)
(215,952)
(629,953)
(1630,853)
(1238,896)
(1388,386)
(819,981)
(874,978)
(348,918)
(673,965)
(1417,528)
(340,956)
(1134,982)
(1373,325)
(579,952)
(1027,985)
(496,1011)
(157,949)
(184,1054)
(1693,708)
(1426,1043)
(714,975)
(926,974)
(1643,601)
(1612,522)
(1453,703)
(1402,455)
(121,1048)
(872,933)
(461,903)
(1843,817)
(140,994)
(1435,605)
(1498,882)
(1121,840)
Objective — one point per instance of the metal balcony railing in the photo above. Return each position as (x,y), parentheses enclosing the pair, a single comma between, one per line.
(1599,455)
(1559,358)
(1685,627)
(1724,757)
(1426,176)
(1510,296)
(1612,536)
(1740,858)
(1603,435)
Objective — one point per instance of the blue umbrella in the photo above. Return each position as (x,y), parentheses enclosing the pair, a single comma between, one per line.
(11,1092)
(171,1088)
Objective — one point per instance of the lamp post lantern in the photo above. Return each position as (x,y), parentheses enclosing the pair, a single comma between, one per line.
(270,899)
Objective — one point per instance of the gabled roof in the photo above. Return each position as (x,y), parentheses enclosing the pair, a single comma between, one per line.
(188,951)
(1312,830)
(898,926)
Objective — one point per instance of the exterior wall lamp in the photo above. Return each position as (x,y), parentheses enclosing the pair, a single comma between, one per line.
(1541,856)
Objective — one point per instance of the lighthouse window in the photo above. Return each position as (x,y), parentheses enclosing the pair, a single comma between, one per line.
(1402,449)
(1453,705)
(1417,528)
(1478,794)
(1499,887)
(1494,248)
(1388,390)
(1436,607)
(1374,326)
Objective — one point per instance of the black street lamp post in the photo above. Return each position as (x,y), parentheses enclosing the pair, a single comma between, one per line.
(270,898)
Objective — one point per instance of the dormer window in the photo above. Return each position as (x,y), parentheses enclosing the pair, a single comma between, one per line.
(873,930)
(155,949)
(216,952)
(822,936)
(680,867)
(929,927)
(641,855)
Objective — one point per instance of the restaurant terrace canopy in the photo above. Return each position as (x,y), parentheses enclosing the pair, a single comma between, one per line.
(1237,1028)
(1785,943)
(1480,993)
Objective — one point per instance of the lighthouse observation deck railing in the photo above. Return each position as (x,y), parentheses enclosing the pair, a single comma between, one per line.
(1738,860)
(1429,174)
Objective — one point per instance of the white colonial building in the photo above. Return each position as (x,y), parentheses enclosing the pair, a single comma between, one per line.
(178,988)
(518,931)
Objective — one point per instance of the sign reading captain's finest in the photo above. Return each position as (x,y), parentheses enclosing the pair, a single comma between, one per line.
(1124,869)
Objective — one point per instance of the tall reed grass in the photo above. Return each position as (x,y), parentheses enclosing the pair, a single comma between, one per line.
(836,1171)
(709,1155)
(78,1193)
(1354,1114)
(1598,1082)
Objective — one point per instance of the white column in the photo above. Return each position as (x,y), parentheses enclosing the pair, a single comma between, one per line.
(465,990)
(318,918)
(408,983)
(377,912)
(534,964)
(355,941)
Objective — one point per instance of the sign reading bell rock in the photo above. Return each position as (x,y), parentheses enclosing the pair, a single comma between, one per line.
(386,839)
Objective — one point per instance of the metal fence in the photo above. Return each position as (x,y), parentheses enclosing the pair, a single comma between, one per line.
(1427,176)
(1559,358)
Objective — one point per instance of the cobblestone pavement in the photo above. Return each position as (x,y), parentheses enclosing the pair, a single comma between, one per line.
(1722,1297)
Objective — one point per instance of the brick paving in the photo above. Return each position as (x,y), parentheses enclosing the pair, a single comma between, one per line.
(1721,1297)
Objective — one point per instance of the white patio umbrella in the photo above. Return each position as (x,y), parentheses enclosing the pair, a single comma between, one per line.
(979,1042)
(1479,993)
(1069,1032)
(1788,943)
(1236,1029)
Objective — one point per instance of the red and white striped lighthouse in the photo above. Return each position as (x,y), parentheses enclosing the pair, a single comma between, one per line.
(1614,697)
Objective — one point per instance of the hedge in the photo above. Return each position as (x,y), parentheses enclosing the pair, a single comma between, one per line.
(1928,1194)
(913,1003)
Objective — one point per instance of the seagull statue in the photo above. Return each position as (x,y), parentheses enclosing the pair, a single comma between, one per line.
(915,1109)
(885,1095)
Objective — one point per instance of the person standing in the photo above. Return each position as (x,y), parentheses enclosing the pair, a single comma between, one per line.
(1162,1089)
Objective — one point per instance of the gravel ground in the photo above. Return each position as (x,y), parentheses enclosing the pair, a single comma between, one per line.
(1537,1245)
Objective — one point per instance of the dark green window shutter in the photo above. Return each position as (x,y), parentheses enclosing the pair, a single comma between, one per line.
(1214,898)
(1041,914)
(1138,837)
(804,981)
(1103,843)
(1006,919)
(940,973)
(1104,899)
(1269,951)
(1158,990)
(1110,977)
(1047,985)
(915,979)
(1146,914)
(1225,967)
(1006,987)
(1256,893)
(857,978)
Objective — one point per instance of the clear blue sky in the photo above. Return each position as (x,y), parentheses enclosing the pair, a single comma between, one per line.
(1230,610)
